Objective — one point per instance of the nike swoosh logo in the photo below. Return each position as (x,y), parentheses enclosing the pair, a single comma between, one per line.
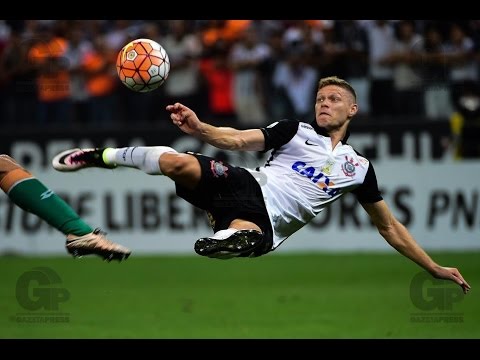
(309,143)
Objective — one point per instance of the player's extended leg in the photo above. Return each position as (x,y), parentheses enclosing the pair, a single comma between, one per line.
(234,203)
(33,196)
(237,237)
(153,160)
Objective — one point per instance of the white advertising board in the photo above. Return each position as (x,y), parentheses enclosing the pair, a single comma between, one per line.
(439,202)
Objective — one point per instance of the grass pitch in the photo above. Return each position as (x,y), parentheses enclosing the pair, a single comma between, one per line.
(278,296)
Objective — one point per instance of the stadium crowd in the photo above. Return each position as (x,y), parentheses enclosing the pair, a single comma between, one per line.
(62,72)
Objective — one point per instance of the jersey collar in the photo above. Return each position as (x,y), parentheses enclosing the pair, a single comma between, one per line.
(322,131)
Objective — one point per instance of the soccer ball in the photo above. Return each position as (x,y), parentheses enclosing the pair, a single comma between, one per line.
(143,65)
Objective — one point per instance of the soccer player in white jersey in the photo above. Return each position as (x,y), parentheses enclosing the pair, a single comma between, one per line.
(310,166)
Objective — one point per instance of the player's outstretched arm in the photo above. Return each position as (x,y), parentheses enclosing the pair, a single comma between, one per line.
(400,238)
(221,137)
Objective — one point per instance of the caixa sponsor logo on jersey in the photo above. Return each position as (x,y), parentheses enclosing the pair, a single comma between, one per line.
(316,176)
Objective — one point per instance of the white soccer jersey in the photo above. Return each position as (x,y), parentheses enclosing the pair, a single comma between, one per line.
(304,174)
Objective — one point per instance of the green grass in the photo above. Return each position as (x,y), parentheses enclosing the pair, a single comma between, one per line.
(315,296)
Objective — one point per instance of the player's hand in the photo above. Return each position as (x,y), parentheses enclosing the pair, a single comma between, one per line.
(448,273)
(184,117)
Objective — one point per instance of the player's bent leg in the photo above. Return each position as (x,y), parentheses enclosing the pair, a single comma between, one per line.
(229,243)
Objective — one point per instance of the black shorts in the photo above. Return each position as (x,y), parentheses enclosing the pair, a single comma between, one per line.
(228,192)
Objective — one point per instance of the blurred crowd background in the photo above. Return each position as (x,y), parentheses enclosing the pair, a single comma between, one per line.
(61,73)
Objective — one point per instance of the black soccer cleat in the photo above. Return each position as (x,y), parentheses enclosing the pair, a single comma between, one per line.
(231,245)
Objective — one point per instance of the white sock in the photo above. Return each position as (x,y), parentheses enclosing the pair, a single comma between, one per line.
(223,234)
(145,158)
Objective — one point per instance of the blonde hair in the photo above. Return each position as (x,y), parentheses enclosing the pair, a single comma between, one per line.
(334,80)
